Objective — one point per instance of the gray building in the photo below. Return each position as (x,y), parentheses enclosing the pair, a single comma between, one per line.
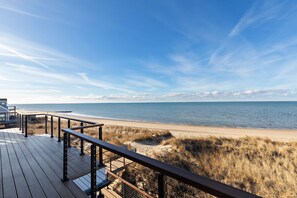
(4,111)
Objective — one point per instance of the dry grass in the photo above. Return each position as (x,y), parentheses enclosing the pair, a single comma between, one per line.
(114,134)
(260,166)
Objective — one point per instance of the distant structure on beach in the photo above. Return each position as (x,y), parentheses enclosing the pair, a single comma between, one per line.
(3,110)
(7,113)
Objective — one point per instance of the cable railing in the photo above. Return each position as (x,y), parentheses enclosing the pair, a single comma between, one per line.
(162,170)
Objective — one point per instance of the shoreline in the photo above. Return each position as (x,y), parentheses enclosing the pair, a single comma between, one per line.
(192,131)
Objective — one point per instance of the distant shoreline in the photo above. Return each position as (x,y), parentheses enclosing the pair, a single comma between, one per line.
(192,131)
(266,115)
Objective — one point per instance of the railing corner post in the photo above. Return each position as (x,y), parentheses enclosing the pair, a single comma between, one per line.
(81,140)
(93,171)
(45,123)
(20,121)
(69,125)
(52,126)
(59,129)
(65,157)
(161,185)
(26,126)
(100,148)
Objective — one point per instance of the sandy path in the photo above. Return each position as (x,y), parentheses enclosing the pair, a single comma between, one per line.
(200,131)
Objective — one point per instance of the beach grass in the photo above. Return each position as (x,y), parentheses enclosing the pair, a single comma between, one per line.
(258,165)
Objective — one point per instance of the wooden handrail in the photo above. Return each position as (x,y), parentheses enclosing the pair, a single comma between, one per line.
(200,182)
(203,183)
(85,127)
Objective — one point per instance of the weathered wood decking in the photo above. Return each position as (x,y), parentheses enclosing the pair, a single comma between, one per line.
(32,167)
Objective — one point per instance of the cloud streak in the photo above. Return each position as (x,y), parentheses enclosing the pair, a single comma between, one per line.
(23,56)
(22,12)
(259,13)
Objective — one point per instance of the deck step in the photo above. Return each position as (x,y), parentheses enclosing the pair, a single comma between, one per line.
(84,182)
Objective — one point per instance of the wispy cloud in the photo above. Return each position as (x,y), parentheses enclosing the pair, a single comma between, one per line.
(200,58)
(260,12)
(100,84)
(33,71)
(144,82)
(187,63)
(23,56)
(20,11)
(28,57)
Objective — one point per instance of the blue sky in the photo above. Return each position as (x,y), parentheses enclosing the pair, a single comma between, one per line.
(136,51)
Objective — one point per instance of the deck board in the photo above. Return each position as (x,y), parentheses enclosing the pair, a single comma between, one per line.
(9,189)
(77,166)
(53,160)
(43,179)
(1,186)
(31,167)
(32,182)
(19,178)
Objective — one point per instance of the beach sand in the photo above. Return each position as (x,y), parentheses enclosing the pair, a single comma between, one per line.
(190,131)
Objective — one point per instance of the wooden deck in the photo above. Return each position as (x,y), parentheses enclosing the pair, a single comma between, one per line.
(32,167)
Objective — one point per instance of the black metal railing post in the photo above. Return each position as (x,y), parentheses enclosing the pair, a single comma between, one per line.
(161,185)
(52,126)
(22,123)
(19,121)
(81,140)
(93,171)
(100,148)
(59,129)
(26,126)
(45,123)
(65,157)
(69,125)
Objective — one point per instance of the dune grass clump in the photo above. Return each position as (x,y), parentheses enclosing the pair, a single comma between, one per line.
(260,166)
(120,134)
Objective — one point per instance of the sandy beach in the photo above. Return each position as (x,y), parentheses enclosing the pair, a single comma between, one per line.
(190,131)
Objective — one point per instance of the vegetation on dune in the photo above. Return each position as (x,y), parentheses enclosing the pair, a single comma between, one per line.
(114,134)
(260,166)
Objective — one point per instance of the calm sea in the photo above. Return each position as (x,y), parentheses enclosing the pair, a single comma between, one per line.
(229,114)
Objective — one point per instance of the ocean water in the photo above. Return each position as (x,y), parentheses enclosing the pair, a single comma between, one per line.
(280,115)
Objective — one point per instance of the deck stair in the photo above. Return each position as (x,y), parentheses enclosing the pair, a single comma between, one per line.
(101,181)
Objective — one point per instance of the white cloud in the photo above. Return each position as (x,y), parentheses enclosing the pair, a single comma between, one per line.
(23,56)
(20,11)
(144,82)
(260,12)
(33,71)
(101,84)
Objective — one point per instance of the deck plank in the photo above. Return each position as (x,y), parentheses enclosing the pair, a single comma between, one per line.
(1,183)
(9,189)
(33,166)
(33,184)
(82,162)
(74,166)
(56,167)
(19,178)
(62,190)
(43,179)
